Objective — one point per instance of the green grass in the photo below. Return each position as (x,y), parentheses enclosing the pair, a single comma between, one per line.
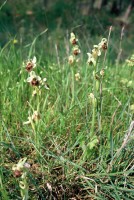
(57,146)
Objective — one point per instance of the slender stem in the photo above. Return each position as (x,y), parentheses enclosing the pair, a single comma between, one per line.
(93,122)
(100,110)
(100,104)
(94,104)
(72,86)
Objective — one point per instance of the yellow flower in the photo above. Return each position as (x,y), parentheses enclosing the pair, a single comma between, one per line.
(15,41)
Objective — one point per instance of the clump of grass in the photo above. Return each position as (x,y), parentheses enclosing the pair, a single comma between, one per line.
(74,136)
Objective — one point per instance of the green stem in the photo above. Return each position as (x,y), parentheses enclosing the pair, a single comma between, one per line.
(72,86)
(100,109)
(94,104)
(93,123)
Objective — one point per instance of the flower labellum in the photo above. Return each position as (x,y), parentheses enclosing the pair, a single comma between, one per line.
(103,43)
(34,80)
(76,50)
(31,64)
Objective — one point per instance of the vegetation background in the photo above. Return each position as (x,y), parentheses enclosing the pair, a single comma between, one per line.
(62,163)
(26,19)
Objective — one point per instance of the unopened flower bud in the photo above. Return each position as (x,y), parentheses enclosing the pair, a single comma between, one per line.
(102,72)
(77,76)
(97,85)
(92,99)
